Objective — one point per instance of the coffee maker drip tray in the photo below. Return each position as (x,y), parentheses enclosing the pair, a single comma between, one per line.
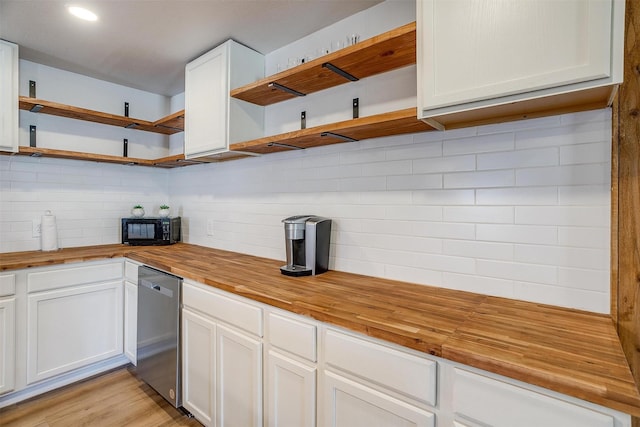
(295,270)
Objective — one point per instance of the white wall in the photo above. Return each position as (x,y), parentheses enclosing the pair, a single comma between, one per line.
(519,210)
(87,198)
(81,91)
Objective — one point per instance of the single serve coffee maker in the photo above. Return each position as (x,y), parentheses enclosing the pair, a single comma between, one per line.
(306,240)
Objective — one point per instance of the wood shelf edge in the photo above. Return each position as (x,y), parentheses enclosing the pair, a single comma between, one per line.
(241,92)
(401,121)
(166,162)
(78,113)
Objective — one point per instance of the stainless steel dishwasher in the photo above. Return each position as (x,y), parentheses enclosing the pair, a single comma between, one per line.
(159,332)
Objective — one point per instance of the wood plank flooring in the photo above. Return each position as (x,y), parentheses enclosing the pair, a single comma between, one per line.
(116,398)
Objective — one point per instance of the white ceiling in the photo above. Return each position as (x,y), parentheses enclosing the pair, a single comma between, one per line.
(145,44)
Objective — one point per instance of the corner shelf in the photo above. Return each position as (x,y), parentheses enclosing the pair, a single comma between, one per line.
(167,126)
(379,125)
(379,54)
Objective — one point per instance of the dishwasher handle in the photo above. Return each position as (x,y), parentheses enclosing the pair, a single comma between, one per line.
(157,288)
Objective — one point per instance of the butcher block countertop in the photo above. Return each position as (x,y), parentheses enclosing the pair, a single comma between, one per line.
(573,352)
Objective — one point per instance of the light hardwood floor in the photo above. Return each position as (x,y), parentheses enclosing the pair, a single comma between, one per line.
(116,398)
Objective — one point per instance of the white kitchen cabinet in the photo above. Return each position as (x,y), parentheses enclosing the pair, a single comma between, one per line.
(7,332)
(348,403)
(73,327)
(239,379)
(130,321)
(198,366)
(213,119)
(222,357)
(131,311)
(291,392)
(369,384)
(475,54)
(479,400)
(291,370)
(8,96)
(7,344)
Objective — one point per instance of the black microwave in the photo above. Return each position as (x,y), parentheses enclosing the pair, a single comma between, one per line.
(151,231)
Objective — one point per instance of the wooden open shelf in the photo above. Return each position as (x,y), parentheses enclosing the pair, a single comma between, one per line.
(379,54)
(165,162)
(379,125)
(167,126)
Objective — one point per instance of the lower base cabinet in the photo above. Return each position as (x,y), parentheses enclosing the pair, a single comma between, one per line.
(7,344)
(73,327)
(222,364)
(291,392)
(348,403)
(198,366)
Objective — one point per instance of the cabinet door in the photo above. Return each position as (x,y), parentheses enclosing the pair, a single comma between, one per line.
(73,327)
(198,366)
(206,95)
(291,392)
(130,321)
(350,404)
(471,50)
(8,96)
(239,379)
(7,344)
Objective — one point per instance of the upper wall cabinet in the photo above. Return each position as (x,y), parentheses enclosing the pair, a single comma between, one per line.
(8,96)
(475,55)
(213,119)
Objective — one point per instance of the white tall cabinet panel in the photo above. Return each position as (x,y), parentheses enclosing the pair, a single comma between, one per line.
(291,392)
(7,344)
(8,96)
(198,367)
(131,311)
(72,327)
(213,119)
(239,379)
(474,54)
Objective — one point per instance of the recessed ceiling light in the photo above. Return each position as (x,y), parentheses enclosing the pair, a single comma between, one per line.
(82,13)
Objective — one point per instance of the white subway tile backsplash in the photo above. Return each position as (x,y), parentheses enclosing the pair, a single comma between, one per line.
(479,250)
(563,256)
(479,144)
(596,152)
(585,216)
(517,196)
(517,271)
(445,164)
(414,182)
(517,233)
(479,214)
(518,159)
(501,178)
(564,175)
(518,210)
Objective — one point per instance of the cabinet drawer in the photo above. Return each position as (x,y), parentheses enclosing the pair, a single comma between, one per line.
(232,311)
(492,402)
(131,271)
(401,372)
(7,284)
(71,276)
(293,336)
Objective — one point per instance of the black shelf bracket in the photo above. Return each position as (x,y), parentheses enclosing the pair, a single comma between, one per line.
(32,89)
(126,109)
(340,72)
(32,136)
(36,108)
(337,135)
(356,108)
(125,147)
(303,120)
(286,89)
(281,145)
(131,126)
